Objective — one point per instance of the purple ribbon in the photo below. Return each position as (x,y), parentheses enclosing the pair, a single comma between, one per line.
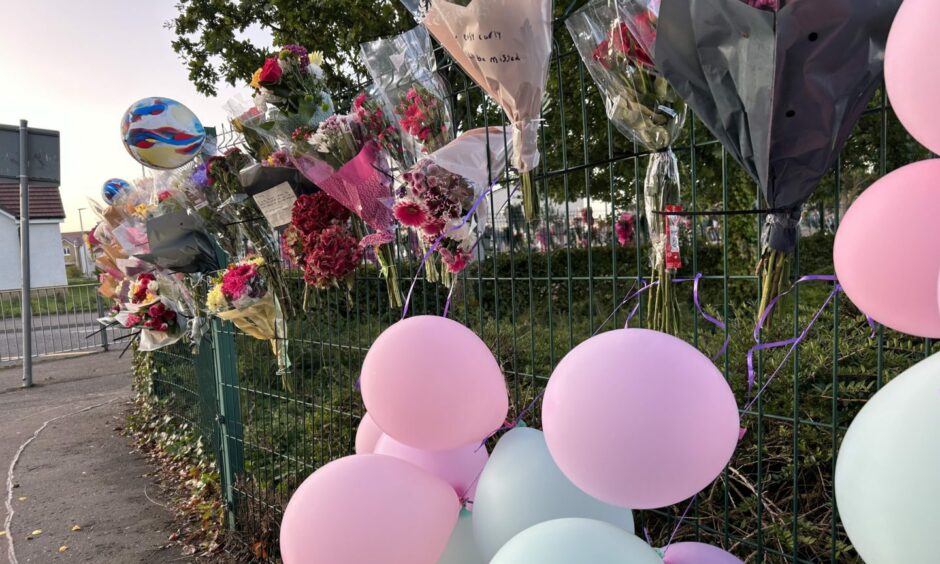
(698,306)
(792,342)
(714,321)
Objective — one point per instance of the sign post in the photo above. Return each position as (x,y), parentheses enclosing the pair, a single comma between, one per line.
(28,155)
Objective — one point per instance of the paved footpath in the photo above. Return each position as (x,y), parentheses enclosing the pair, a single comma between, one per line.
(76,469)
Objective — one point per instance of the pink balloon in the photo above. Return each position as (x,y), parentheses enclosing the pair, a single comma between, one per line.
(432,384)
(886,253)
(366,509)
(639,419)
(911,72)
(461,468)
(697,553)
(367,435)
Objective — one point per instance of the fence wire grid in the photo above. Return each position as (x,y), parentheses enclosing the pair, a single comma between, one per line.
(536,291)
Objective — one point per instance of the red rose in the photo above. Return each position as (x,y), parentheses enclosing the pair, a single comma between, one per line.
(271,72)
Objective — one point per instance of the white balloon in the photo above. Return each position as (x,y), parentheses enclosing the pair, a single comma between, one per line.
(888,471)
(521,486)
(462,547)
(576,541)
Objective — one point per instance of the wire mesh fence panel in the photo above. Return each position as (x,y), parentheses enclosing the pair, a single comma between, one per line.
(535,291)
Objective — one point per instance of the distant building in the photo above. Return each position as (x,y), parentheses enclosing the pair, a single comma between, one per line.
(47,258)
(76,253)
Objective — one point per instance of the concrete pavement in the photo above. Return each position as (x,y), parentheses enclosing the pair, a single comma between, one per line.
(72,467)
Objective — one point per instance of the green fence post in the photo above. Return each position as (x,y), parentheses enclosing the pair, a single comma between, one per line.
(229,415)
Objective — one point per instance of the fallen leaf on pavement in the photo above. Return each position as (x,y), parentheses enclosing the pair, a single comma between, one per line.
(22,498)
(174,536)
(63,548)
(76,528)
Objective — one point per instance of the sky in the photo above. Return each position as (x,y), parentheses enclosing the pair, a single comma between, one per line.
(76,65)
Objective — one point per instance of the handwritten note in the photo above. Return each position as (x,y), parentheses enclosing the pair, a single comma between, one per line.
(487,47)
(276,204)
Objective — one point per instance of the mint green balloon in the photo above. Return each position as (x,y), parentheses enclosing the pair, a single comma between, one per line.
(888,471)
(521,486)
(576,541)
(462,548)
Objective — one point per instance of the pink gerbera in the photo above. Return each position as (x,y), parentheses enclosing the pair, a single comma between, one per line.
(410,214)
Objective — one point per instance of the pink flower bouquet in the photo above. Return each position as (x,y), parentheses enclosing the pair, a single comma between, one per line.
(411,91)
(153,307)
(442,188)
(344,159)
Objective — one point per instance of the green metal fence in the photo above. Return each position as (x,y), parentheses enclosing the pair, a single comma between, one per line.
(533,296)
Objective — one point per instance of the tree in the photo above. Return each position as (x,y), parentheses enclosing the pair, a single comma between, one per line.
(209,43)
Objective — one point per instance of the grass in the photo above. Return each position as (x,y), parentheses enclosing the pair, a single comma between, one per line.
(77,297)
(777,492)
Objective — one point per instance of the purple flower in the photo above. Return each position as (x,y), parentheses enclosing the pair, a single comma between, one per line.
(297,50)
(201,175)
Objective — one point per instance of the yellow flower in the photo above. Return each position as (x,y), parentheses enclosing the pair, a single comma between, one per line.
(316,58)
(256,79)
(257,261)
(216,300)
(141,210)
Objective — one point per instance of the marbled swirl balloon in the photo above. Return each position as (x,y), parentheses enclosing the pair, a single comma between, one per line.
(161,133)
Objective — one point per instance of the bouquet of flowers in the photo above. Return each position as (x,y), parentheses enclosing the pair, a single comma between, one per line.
(781,85)
(291,81)
(504,46)
(403,71)
(343,159)
(151,309)
(240,295)
(614,44)
(441,189)
(376,124)
(223,178)
(320,242)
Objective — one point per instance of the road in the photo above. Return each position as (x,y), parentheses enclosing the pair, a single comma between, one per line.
(74,468)
(55,334)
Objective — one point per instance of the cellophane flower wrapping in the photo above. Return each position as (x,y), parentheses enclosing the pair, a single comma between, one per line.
(615,39)
(412,94)
(781,90)
(442,188)
(289,92)
(223,174)
(348,164)
(154,305)
(505,47)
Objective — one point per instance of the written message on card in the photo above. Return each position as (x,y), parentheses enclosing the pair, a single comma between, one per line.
(277,204)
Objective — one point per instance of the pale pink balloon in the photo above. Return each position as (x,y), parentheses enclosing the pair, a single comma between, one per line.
(367,435)
(639,419)
(461,467)
(697,553)
(912,75)
(431,383)
(886,250)
(366,509)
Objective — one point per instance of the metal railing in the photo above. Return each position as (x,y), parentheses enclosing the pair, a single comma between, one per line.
(64,318)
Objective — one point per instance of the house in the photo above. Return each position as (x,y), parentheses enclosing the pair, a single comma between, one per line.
(76,254)
(47,260)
